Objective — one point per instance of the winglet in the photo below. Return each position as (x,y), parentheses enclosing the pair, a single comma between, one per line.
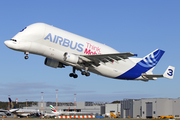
(169,73)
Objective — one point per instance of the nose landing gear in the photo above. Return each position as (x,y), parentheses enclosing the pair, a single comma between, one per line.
(26,57)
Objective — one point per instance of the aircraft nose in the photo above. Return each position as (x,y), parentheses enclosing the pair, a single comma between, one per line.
(11,44)
(6,43)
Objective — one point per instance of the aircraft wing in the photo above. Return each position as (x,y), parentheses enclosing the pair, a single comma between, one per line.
(13,110)
(2,110)
(96,59)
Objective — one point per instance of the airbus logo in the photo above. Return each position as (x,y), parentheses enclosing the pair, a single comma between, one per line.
(64,42)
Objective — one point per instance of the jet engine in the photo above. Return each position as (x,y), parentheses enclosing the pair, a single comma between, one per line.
(72,58)
(53,63)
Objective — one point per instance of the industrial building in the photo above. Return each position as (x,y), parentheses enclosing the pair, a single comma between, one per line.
(114,108)
(149,108)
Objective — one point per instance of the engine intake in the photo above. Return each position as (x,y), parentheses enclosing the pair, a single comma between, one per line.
(53,63)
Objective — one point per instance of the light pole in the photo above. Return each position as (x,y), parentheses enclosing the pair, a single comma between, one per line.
(41,104)
(26,103)
(74,102)
(56,100)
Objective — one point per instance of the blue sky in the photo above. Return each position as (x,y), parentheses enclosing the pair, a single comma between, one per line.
(135,26)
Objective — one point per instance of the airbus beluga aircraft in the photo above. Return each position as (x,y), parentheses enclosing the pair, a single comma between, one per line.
(62,48)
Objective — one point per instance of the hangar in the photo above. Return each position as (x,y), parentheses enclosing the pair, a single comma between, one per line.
(149,108)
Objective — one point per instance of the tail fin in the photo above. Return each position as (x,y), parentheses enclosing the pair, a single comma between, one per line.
(151,59)
(169,73)
(52,108)
(11,103)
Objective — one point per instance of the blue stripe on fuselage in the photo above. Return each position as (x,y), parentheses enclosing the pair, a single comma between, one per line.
(133,73)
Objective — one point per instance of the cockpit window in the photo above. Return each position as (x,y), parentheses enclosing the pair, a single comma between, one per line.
(23,29)
(13,40)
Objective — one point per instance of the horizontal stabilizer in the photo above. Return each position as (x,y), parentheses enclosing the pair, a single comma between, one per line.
(169,73)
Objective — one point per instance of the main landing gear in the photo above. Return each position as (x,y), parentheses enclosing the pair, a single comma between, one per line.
(74,75)
(85,73)
(26,57)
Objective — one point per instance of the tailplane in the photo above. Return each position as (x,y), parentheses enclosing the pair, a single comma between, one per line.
(169,73)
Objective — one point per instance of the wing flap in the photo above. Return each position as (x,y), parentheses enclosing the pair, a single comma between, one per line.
(96,59)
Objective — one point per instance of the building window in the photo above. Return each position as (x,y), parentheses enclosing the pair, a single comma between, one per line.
(154,112)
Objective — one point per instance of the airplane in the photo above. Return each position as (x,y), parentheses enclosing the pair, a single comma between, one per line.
(54,111)
(62,48)
(21,112)
(4,112)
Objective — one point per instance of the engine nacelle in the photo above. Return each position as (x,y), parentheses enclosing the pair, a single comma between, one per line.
(72,58)
(53,63)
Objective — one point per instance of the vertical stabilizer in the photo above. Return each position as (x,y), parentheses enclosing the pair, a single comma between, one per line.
(11,103)
(52,108)
(151,59)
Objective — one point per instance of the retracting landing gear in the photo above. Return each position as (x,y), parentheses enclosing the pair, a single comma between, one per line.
(74,75)
(26,53)
(86,73)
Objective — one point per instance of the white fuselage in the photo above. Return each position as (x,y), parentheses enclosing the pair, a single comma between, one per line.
(52,42)
(23,112)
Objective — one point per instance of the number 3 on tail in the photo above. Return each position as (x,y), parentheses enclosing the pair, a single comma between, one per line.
(170,72)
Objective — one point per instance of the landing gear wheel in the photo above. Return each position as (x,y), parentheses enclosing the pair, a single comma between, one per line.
(73,75)
(87,74)
(83,73)
(26,57)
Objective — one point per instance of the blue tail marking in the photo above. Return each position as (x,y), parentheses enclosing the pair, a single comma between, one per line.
(11,103)
(143,66)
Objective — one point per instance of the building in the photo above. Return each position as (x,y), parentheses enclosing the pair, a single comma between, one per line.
(97,108)
(148,108)
(114,108)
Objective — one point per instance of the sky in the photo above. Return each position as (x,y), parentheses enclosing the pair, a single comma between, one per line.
(135,26)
